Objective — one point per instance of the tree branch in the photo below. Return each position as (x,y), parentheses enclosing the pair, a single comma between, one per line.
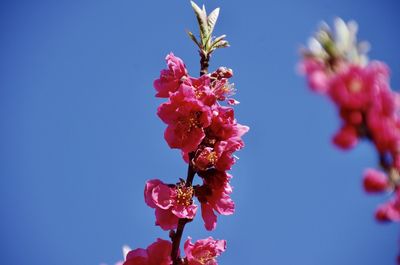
(177,235)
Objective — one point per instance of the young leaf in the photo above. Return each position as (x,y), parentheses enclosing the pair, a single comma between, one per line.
(219,39)
(212,19)
(193,38)
(202,20)
(221,44)
(207,42)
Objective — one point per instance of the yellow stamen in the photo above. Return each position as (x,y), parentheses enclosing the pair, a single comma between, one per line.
(205,257)
(212,157)
(184,194)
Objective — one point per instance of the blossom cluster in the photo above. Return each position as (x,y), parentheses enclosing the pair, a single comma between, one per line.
(336,65)
(207,134)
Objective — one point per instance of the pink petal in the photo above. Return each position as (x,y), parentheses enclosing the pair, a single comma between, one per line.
(209,217)
(137,257)
(182,211)
(159,252)
(162,196)
(166,219)
(148,191)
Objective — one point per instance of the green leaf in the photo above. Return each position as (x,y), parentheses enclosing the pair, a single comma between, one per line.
(221,44)
(219,39)
(212,20)
(207,42)
(193,38)
(202,20)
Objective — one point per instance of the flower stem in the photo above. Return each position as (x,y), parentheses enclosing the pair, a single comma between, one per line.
(204,61)
(177,235)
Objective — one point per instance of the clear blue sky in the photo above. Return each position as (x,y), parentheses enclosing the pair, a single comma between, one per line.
(79,133)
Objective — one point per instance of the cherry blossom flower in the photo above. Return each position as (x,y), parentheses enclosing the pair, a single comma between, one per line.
(375,181)
(204,251)
(186,118)
(201,89)
(336,65)
(221,87)
(224,126)
(219,156)
(353,88)
(171,78)
(170,203)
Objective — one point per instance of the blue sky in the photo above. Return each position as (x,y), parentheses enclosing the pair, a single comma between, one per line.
(80,135)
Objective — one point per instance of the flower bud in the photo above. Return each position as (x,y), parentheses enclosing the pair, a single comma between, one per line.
(346,137)
(375,181)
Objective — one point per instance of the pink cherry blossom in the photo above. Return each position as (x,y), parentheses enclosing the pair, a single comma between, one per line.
(157,253)
(214,196)
(201,89)
(205,158)
(353,88)
(375,181)
(223,90)
(224,126)
(186,118)
(222,139)
(219,156)
(171,78)
(204,251)
(335,64)
(357,87)
(221,87)
(170,203)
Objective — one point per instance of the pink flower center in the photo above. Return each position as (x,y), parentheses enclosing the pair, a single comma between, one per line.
(192,121)
(204,257)
(355,86)
(184,194)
